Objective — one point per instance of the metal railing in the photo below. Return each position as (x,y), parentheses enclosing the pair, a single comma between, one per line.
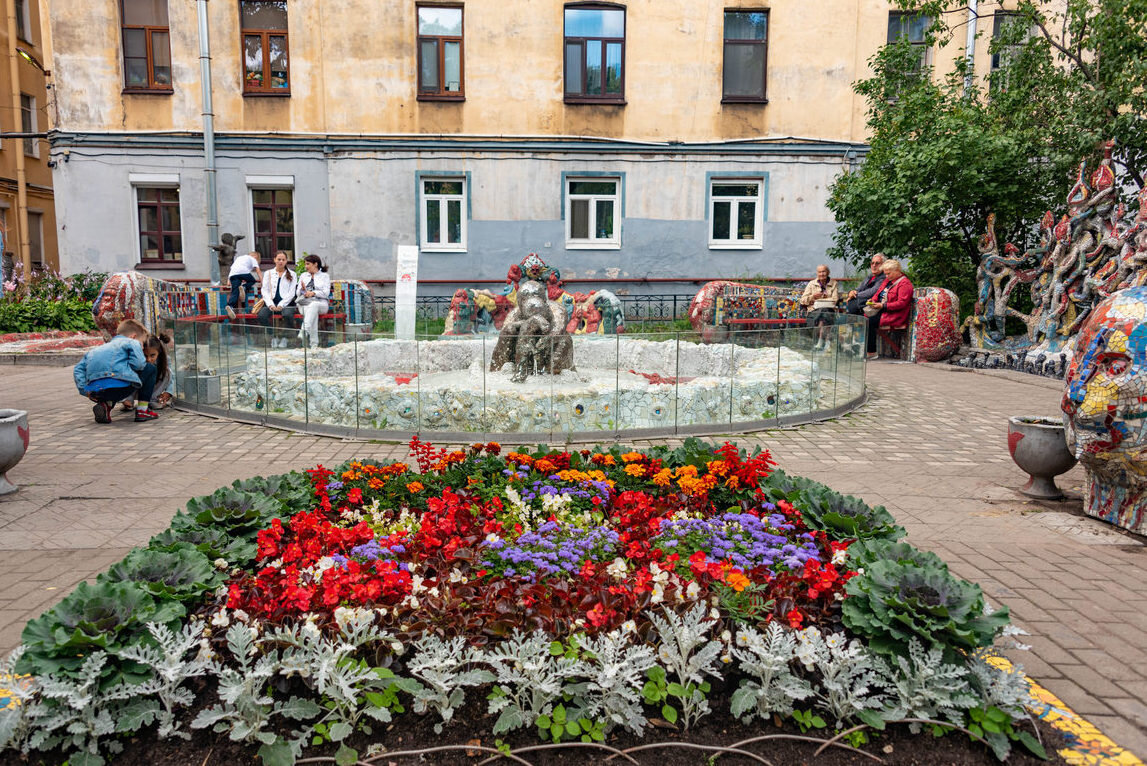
(639,309)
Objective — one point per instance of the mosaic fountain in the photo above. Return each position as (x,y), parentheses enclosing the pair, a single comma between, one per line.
(536,377)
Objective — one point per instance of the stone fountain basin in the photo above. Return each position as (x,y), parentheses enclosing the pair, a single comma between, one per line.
(454,391)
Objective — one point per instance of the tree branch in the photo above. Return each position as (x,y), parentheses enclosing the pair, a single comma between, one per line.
(1061,46)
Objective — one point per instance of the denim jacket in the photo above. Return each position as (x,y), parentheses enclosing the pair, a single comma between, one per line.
(120,358)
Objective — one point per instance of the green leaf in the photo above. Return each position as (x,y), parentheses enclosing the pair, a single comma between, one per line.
(556,732)
(340,730)
(346,756)
(278,753)
(656,674)
(597,735)
(556,649)
(818,722)
(375,698)
(669,713)
(676,689)
(585,723)
(1032,744)
(544,722)
(572,728)
(872,718)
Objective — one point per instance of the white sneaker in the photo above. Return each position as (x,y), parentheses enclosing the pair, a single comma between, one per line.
(230,312)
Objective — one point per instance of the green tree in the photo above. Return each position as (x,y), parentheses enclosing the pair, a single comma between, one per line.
(943,155)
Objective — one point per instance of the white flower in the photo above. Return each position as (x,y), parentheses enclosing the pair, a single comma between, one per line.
(664,654)
(221,620)
(323,564)
(834,640)
(456,576)
(492,538)
(658,593)
(839,556)
(714,614)
(742,638)
(629,626)
(726,659)
(344,615)
(416,584)
(726,636)
(397,647)
(309,627)
(617,569)
(220,564)
(693,591)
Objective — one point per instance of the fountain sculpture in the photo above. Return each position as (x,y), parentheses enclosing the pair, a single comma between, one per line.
(534,335)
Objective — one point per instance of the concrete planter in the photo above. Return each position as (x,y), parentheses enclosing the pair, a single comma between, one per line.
(1039,447)
(13,444)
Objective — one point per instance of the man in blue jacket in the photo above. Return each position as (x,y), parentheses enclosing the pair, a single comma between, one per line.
(116,370)
(868,288)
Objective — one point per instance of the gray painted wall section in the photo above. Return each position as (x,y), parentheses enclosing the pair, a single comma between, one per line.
(355,207)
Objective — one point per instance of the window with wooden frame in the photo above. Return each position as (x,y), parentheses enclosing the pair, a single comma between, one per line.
(266,66)
(736,212)
(441,68)
(594,54)
(146,45)
(160,232)
(746,46)
(273,215)
(23,21)
(28,124)
(36,238)
(591,213)
(914,26)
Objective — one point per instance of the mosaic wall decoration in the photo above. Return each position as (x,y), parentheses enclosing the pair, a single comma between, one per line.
(1095,249)
(483,312)
(1105,402)
(158,303)
(722,307)
(935,326)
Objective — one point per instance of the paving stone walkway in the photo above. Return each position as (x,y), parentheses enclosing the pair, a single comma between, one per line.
(930,445)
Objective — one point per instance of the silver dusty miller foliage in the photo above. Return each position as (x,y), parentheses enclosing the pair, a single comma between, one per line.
(529,681)
(688,655)
(771,686)
(924,686)
(171,666)
(615,673)
(442,671)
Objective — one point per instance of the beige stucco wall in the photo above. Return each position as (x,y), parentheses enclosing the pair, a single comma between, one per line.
(353,71)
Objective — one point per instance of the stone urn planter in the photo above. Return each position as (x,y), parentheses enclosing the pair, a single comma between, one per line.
(1039,447)
(13,444)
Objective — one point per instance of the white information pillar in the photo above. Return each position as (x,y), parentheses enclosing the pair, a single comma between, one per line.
(405,291)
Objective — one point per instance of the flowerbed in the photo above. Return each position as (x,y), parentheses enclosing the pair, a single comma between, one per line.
(581,594)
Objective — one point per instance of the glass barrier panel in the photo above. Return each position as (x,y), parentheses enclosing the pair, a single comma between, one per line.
(644,368)
(330,390)
(185,362)
(387,374)
(213,379)
(248,378)
(754,375)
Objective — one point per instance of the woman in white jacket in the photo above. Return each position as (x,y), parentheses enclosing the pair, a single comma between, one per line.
(278,296)
(313,296)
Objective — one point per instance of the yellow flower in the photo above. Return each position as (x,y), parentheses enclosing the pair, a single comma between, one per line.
(663,478)
(737,581)
(635,470)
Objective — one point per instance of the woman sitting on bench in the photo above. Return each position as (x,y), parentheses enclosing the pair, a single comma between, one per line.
(893,304)
(313,296)
(278,296)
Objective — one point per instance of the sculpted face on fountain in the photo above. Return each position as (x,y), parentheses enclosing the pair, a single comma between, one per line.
(1106,407)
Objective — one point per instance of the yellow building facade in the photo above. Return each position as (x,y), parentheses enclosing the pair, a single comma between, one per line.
(32,115)
(644,141)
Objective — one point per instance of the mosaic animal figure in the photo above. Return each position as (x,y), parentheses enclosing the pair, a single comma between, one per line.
(534,337)
(1105,408)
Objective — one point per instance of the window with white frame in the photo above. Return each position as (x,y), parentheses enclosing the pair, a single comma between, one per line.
(736,212)
(443,214)
(592,206)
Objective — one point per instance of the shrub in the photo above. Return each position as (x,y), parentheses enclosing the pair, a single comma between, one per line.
(42,315)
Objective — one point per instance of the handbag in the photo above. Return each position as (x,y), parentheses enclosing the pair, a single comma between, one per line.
(259,306)
(870,311)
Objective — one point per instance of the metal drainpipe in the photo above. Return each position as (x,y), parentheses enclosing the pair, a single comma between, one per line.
(970,46)
(21,176)
(208,137)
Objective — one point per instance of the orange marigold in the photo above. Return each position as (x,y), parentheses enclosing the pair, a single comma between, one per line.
(633,469)
(544,465)
(717,467)
(663,478)
(415,486)
(737,581)
(376,483)
(631,457)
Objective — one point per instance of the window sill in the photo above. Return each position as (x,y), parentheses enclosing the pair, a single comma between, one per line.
(598,101)
(160,265)
(734,246)
(441,97)
(748,101)
(281,93)
(148,91)
(593,246)
(425,249)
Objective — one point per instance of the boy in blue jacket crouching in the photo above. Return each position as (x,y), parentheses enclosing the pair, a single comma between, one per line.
(116,370)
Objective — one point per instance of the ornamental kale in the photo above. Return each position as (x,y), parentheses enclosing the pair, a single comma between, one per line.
(212,542)
(892,602)
(181,573)
(106,616)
